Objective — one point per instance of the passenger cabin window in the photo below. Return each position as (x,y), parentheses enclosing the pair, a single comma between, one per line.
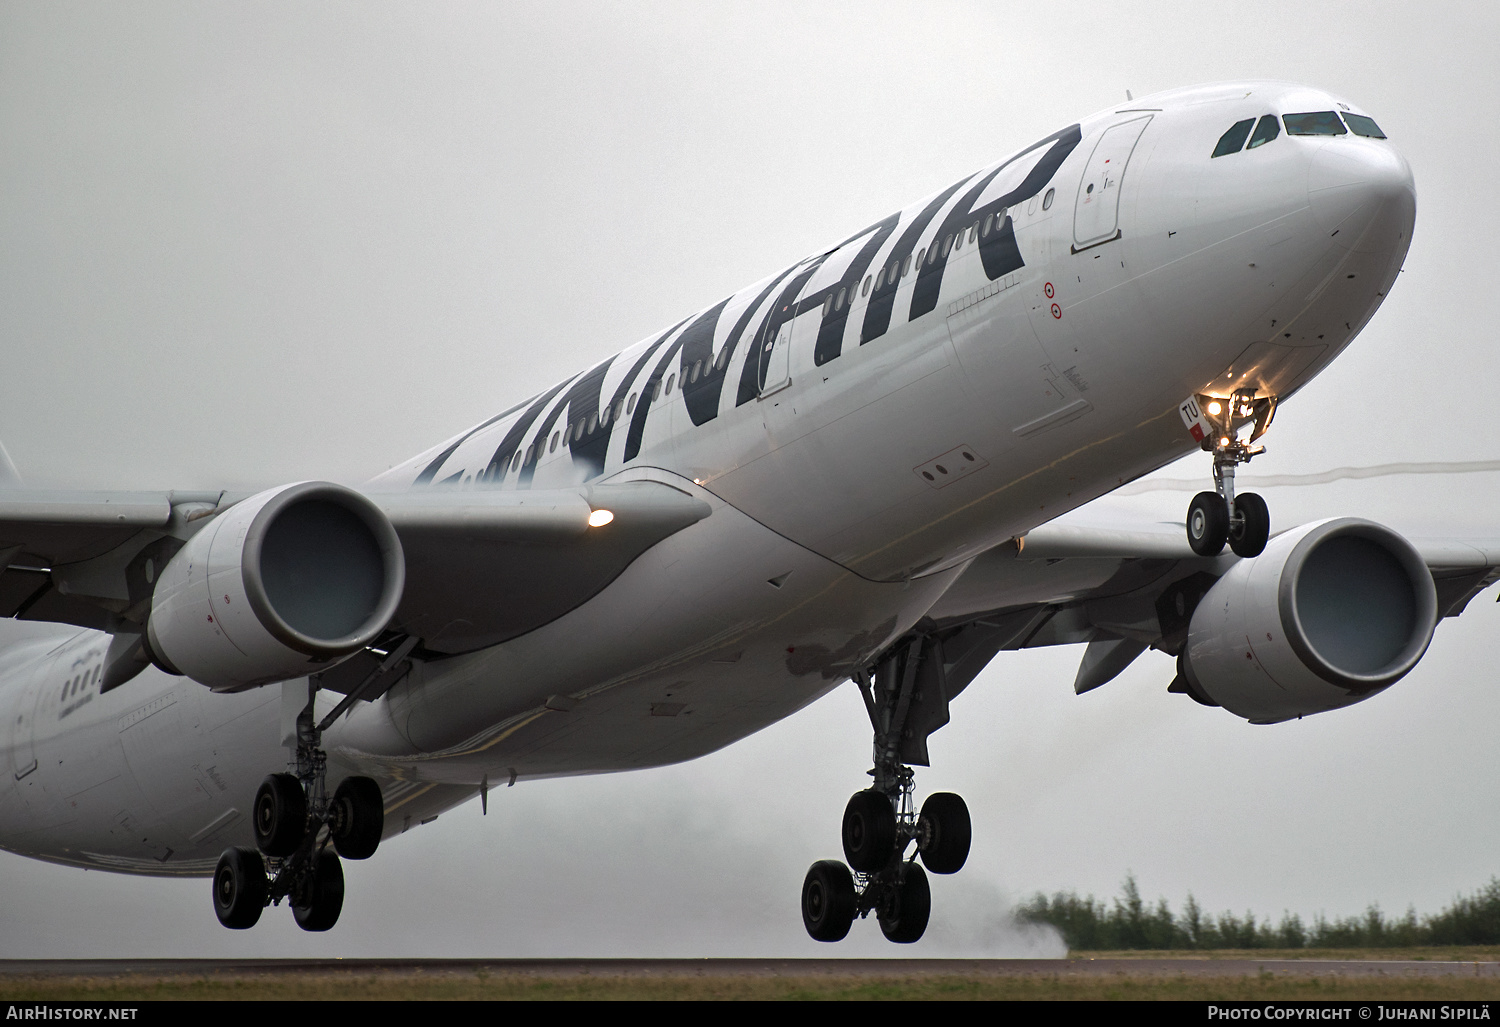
(552,447)
(1363,126)
(838,302)
(1234,140)
(671,380)
(828,306)
(515,465)
(593,423)
(630,406)
(984,233)
(1047,200)
(1267,129)
(1318,123)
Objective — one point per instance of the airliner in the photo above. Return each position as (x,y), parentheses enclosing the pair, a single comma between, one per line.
(846,472)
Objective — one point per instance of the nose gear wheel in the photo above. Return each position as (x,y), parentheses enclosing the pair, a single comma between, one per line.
(1217,517)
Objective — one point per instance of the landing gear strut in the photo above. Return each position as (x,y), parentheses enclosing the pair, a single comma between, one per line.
(882,822)
(1221,516)
(299,835)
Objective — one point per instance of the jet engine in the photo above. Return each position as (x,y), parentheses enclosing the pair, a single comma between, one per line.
(286,583)
(1331,613)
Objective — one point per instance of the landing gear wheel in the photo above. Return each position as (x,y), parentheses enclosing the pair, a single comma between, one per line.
(904,914)
(829,901)
(322,898)
(869,830)
(240,888)
(1251,527)
(1207,524)
(944,833)
(356,818)
(280,815)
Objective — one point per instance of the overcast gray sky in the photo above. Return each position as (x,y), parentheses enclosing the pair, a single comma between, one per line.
(254,243)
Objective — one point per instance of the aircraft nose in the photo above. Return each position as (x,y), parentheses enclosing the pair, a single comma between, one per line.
(1355,184)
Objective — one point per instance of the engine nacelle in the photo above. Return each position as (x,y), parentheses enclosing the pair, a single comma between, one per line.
(1331,613)
(286,583)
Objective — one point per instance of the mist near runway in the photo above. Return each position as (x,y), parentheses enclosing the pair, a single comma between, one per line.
(252,244)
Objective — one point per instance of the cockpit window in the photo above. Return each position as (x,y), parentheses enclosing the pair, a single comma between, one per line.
(1363,126)
(1320,123)
(1231,141)
(1268,129)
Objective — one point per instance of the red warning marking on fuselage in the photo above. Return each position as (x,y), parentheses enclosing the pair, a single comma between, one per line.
(1056,310)
(1051,292)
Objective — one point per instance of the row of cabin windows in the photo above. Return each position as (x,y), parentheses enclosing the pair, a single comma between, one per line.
(899,269)
(82,681)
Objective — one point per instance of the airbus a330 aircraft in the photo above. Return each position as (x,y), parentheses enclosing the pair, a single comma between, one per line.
(843,472)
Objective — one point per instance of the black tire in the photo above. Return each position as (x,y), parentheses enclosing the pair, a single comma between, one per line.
(869,830)
(945,832)
(321,900)
(1207,524)
(904,914)
(356,818)
(1248,538)
(280,815)
(240,888)
(829,901)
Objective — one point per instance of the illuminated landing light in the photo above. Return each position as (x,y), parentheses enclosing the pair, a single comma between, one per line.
(599,518)
(1215,408)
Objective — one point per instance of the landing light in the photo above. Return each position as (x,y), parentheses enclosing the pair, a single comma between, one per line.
(599,518)
(1215,408)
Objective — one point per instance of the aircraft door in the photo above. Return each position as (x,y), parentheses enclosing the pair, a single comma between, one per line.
(1096,216)
(19,707)
(775,363)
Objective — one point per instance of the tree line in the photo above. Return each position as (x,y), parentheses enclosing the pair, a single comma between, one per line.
(1129,923)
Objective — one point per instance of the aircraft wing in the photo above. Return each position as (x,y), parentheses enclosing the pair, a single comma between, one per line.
(481,566)
(1123,591)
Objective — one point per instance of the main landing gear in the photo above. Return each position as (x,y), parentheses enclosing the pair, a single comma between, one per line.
(1221,516)
(300,834)
(881,823)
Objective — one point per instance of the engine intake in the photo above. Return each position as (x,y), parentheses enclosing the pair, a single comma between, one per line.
(1331,613)
(286,583)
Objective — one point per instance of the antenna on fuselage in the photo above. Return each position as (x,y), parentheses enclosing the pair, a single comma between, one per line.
(1128,97)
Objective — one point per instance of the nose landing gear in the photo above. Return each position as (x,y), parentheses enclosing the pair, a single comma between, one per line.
(1217,517)
(881,823)
(300,834)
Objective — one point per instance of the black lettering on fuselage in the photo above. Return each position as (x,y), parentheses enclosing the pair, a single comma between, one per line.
(883,299)
(831,332)
(999,254)
(702,396)
(644,407)
(1003,256)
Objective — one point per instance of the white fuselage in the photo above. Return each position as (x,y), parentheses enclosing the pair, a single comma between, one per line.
(856,453)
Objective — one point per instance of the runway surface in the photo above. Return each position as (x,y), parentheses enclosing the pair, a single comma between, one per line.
(741,968)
